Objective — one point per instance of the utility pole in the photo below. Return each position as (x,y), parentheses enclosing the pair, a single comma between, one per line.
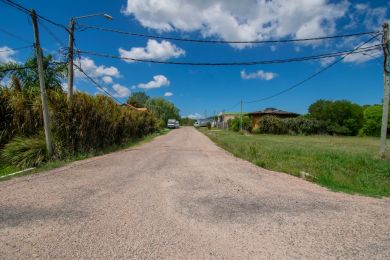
(385,113)
(45,111)
(70,59)
(241,116)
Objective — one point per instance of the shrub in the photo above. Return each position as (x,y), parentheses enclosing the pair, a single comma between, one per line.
(25,152)
(272,125)
(303,126)
(208,125)
(234,124)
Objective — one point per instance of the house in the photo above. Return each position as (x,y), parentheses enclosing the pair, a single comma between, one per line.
(270,111)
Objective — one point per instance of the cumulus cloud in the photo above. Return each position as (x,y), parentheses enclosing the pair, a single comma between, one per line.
(258,75)
(157,82)
(195,116)
(95,71)
(6,54)
(168,94)
(107,79)
(243,20)
(370,17)
(120,91)
(154,50)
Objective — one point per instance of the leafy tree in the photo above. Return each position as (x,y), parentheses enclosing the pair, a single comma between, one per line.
(138,99)
(373,120)
(341,117)
(26,75)
(163,109)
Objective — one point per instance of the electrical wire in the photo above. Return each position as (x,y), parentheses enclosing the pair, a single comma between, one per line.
(84,27)
(27,11)
(16,49)
(311,76)
(96,83)
(14,36)
(247,63)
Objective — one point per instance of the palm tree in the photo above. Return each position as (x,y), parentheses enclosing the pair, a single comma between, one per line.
(25,76)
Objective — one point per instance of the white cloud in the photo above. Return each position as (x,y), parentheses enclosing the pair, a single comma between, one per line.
(157,82)
(97,72)
(243,20)
(121,91)
(258,75)
(168,94)
(195,116)
(107,79)
(64,86)
(153,51)
(6,54)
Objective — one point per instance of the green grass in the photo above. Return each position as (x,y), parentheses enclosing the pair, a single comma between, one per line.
(348,164)
(6,169)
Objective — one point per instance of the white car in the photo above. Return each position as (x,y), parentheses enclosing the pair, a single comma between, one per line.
(171,123)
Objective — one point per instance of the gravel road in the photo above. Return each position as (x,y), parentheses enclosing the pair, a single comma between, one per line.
(181,197)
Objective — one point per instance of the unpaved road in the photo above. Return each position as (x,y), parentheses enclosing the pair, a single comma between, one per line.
(182,197)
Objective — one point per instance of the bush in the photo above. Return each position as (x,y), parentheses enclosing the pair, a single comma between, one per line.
(303,126)
(25,152)
(272,125)
(234,124)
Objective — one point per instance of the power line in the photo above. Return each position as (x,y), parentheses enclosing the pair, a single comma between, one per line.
(312,76)
(53,36)
(247,63)
(14,36)
(16,49)
(16,68)
(96,83)
(84,27)
(27,11)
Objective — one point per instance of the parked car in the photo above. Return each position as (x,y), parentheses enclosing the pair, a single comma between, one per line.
(177,124)
(171,123)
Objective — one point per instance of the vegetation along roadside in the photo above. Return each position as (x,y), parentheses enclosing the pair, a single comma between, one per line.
(348,164)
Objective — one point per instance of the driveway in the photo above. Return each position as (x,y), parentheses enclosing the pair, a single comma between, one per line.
(180,196)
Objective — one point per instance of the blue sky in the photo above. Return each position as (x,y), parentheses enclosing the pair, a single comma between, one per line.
(196,90)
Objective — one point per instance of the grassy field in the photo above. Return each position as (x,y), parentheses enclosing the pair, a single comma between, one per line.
(6,169)
(349,164)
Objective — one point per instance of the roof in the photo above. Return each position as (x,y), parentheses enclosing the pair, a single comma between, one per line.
(273,111)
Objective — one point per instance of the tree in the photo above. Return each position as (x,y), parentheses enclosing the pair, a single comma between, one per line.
(373,120)
(138,99)
(341,117)
(163,109)
(25,76)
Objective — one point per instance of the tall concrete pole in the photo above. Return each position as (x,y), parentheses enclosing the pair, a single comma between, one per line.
(241,116)
(45,111)
(385,113)
(70,59)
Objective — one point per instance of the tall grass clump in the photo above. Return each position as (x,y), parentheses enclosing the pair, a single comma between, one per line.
(25,152)
(87,124)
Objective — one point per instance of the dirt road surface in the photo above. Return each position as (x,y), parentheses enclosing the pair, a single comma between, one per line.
(182,197)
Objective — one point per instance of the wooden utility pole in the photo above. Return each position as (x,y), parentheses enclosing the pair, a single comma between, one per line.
(385,113)
(241,116)
(45,111)
(70,59)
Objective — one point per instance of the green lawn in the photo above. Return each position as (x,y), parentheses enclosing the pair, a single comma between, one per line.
(6,169)
(349,164)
